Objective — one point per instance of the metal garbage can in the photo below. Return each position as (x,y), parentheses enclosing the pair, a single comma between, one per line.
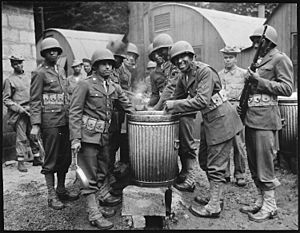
(288,135)
(153,147)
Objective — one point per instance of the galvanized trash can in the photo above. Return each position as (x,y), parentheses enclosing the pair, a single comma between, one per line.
(153,147)
(288,136)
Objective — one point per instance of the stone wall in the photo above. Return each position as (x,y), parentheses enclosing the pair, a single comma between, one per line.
(18,36)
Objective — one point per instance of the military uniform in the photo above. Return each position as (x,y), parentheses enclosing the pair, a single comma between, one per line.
(90,117)
(263,118)
(49,109)
(72,81)
(233,82)
(16,89)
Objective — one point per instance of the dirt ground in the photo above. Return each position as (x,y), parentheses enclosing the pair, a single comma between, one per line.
(25,206)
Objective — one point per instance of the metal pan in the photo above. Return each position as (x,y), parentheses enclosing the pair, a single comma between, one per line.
(84,180)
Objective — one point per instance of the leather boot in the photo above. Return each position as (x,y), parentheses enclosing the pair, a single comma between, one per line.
(204,201)
(268,209)
(53,201)
(62,193)
(22,167)
(189,184)
(94,215)
(110,200)
(256,206)
(213,208)
(107,212)
(37,160)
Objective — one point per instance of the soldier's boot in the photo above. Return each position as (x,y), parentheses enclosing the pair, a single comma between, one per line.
(53,201)
(94,215)
(204,200)
(22,167)
(37,160)
(268,209)
(189,183)
(213,207)
(62,193)
(256,206)
(183,172)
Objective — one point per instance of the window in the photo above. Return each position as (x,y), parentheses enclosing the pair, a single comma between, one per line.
(162,22)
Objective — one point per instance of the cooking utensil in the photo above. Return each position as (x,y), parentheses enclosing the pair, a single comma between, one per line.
(84,180)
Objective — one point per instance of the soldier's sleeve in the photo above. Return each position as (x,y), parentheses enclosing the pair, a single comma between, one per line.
(283,84)
(154,90)
(36,95)
(205,78)
(76,109)
(8,92)
(123,100)
(168,90)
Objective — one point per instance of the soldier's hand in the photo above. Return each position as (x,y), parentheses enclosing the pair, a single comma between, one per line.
(23,110)
(169,105)
(34,133)
(252,76)
(239,109)
(76,145)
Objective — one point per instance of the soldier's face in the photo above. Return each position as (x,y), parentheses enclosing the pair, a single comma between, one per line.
(229,60)
(119,61)
(51,55)
(183,62)
(104,68)
(77,69)
(17,66)
(87,67)
(161,55)
(130,60)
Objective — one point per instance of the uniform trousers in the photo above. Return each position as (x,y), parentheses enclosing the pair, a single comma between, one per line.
(23,139)
(187,148)
(93,159)
(214,159)
(57,150)
(262,147)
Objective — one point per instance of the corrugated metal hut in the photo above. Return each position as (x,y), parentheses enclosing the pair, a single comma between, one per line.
(207,30)
(76,44)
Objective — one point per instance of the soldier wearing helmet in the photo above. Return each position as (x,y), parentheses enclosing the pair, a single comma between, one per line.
(233,79)
(87,66)
(77,75)
(165,72)
(273,77)
(90,118)
(49,117)
(151,65)
(16,96)
(199,89)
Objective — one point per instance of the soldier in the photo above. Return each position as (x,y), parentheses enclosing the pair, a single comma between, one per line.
(90,116)
(198,88)
(49,117)
(73,79)
(130,62)
(87,66)
(151,65)
(233,79)
(16,96)
(273,77)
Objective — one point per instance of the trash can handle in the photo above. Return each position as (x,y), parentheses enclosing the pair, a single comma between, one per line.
(176,144)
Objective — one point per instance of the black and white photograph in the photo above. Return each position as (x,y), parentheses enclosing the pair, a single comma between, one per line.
(144,115)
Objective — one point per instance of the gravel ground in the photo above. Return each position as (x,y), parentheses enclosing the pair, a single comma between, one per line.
(25,205)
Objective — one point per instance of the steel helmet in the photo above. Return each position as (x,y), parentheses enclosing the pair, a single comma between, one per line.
(50,43)
(16,57)
(151,64)
(181,47)
(230,49)
(101,55)
(162,41)
(270,34)
(132,49)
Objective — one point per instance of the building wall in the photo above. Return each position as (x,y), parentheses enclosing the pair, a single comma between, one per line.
(18,36)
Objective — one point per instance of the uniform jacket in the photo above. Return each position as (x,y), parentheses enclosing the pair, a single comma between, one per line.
(220,124)
(71,82)
(16,93)
(233,82)
(163,76)
(91,99)
(124,77)
(46,84)
(276,78)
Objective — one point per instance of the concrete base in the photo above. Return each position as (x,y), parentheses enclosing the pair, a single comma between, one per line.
(144,201)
